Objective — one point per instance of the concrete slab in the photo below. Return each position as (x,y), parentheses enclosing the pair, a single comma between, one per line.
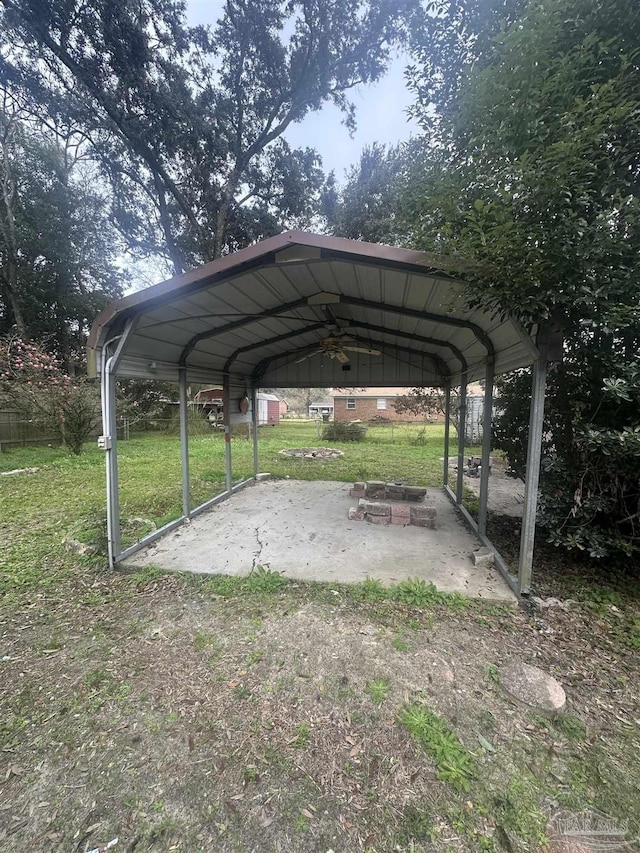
(302,529)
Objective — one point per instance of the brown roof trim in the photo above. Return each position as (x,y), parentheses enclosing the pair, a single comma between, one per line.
(400,391)
(234,263)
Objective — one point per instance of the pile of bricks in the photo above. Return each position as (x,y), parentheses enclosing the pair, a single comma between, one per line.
(411,511)
(375,490)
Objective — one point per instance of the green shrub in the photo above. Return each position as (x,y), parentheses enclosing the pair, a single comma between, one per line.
(341,431)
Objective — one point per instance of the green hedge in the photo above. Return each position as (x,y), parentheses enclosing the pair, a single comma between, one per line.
(343,431)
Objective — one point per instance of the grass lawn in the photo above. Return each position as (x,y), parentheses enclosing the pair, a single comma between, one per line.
(224,714)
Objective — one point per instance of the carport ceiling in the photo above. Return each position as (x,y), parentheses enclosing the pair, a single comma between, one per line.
(257,314)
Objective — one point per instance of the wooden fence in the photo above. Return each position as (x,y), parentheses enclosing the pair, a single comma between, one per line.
(16,431)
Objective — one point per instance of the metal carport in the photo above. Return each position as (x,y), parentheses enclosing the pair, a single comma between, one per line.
(246,320)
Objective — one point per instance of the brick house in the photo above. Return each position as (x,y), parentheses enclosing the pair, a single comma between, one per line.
(364,404)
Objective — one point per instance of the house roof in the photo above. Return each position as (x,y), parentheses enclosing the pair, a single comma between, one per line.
(339,393)
(260,314)
(370,392)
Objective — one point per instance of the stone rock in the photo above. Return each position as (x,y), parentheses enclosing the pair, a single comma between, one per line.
(79,548)
(18,471)
(540,603)
(359,486)
(483,558)
(356,513)
(311,452)
(400,519)
(263,476)
(546,603)
(533,687)
(152,524)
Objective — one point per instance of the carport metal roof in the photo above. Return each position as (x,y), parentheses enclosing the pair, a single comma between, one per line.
(256,313)
(249,320)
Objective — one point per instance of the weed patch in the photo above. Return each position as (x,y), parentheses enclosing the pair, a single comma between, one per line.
(302,736)
(416,592)
(453,763)
(378,690)
(417,825)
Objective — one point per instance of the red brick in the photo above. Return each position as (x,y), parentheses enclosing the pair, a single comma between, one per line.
(367,408)
(378,519)
(394,493)
(356,513)
(373,508)
(356,493)
(375,490)
(401,510)
(424,522)
(400,519)
(422,512)
(415,493)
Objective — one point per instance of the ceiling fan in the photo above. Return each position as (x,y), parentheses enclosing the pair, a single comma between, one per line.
(337,348)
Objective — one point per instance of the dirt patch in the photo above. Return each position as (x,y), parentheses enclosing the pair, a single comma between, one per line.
(173,719)
(506,493)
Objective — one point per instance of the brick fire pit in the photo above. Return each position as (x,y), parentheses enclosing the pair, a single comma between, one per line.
(401,505)
(312,452)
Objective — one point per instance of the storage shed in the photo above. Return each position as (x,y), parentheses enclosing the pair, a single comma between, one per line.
(268,409)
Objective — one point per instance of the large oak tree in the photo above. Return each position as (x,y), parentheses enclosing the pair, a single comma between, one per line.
(188,122)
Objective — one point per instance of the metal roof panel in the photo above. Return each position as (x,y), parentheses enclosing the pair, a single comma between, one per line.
(410,306)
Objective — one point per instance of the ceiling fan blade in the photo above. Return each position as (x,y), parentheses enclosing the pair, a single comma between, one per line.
(368,350)
(310,355)
(342,357)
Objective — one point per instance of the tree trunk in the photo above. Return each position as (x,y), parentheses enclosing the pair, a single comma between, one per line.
(9,280)
(167,227)
(221,227)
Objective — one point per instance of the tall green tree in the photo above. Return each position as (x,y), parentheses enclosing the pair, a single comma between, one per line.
(188,123)
(57,246)
(531,171)
(368,206)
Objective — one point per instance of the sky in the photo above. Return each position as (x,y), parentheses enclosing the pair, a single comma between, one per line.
(380,110)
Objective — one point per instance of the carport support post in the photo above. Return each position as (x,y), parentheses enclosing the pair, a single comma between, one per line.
(254,428)
(462,428)
(447,418)
(109,438)
(109,428)
(184,443)
(534,456)
(226,412)
(486,448)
